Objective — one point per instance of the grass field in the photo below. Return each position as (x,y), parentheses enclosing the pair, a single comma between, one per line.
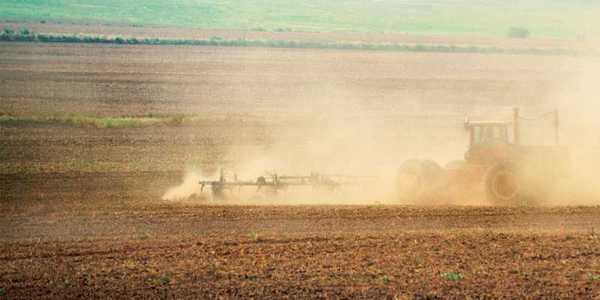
(490,18)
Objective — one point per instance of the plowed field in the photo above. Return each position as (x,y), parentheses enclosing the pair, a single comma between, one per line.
(180,251)
(81,209)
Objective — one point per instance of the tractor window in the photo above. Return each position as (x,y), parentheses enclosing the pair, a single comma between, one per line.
(490,135)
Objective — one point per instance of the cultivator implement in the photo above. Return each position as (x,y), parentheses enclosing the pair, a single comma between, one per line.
(273,183)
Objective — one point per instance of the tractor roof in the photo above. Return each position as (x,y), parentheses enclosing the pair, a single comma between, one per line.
(469,123)
(486,123)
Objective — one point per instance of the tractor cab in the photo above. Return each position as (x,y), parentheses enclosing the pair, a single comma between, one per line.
(489,141)
(494,141)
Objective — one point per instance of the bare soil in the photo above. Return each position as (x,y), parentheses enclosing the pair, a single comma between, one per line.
(109,80)
(191,251)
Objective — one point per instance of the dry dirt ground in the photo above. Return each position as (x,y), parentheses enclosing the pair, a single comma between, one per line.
(180,251)
(109,80)
(81,209)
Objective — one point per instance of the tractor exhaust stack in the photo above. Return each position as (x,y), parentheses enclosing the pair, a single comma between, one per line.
(516,131)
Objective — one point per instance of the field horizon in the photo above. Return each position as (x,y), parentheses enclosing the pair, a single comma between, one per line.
(541,19)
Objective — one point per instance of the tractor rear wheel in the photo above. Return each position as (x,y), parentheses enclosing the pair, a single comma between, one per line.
(417,179)
(502,185)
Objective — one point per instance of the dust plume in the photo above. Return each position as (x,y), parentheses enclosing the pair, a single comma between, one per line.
(335,121)
(342,134)
(189,187)
(580,131)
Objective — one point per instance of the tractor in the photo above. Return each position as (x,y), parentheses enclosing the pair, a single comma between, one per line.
(496,163)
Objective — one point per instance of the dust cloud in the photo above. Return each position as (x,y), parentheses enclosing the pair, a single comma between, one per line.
(338,131)
(579,106)
(339,135)
(188,188)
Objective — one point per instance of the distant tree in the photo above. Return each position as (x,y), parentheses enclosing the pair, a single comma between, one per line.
(8,31)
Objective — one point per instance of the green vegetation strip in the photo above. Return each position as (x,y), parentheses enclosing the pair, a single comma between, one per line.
(149,120)
(99,122)
(25,35)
